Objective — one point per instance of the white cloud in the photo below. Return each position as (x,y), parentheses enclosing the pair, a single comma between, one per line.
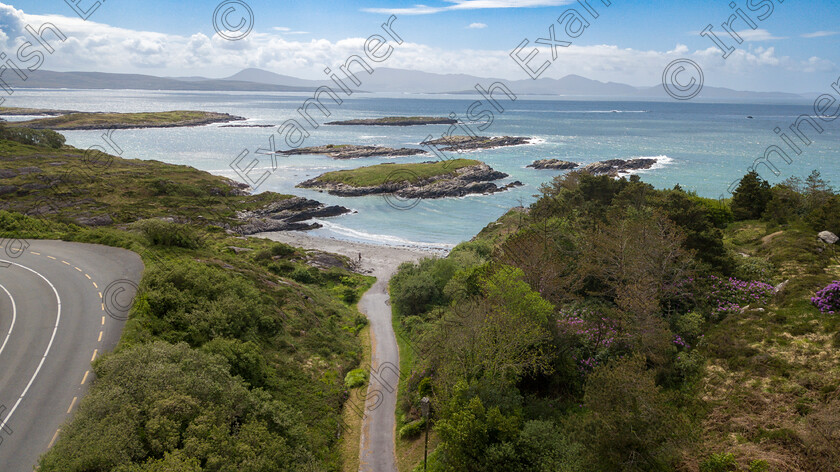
(285,30)
(477,26)
(758,35)
(468,5)
(820,34)
(100,47)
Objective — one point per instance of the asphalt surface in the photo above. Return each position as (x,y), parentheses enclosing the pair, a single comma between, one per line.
(61,305)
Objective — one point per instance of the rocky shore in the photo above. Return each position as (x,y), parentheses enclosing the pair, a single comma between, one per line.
(352,151)
(397,121)
(618,166)
(469,143)
(476,179)
(555,164)
(286,215)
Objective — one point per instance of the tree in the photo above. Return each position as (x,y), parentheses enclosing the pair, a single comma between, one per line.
(750,198)
(630,425)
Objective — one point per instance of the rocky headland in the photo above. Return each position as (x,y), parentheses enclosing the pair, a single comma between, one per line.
(555,164)
(471,143)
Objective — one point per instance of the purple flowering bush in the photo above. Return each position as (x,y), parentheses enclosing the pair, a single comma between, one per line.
(592,336)
(729,295)
(827,300)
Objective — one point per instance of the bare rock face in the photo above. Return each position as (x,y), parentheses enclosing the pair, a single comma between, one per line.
(475,179)
(469,143)
(618,166)
(286,215)
(100,220)
(555,164)
(827,237)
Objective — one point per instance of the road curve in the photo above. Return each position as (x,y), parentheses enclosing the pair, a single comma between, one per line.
(61,306)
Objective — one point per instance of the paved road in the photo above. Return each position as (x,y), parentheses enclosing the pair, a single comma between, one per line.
(376,451)
(61,305)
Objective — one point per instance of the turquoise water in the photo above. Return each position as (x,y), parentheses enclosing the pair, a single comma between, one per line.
(701,146)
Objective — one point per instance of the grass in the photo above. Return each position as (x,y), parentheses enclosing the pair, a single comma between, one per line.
(352,420)
(69,183)
(379,174)
(105,120)
(772,374)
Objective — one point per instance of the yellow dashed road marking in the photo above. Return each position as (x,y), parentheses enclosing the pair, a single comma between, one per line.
(100,294)
(94,284)
(55,436)
(77,268)
(94,355)
(72,404)
(87,276)
(100,337)
(36,253)
(84,379)
(51,257)
(103,320)
(65,262)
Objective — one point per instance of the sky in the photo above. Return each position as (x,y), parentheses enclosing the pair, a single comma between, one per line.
(793,48)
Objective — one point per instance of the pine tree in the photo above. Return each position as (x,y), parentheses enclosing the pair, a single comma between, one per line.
(750,198)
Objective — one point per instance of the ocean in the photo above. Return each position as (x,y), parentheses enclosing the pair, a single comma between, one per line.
(701,146)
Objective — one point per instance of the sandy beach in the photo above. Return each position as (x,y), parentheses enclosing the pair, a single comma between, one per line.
(377,452)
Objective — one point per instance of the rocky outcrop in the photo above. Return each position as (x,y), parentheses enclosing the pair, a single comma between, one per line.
(470,143)
(476,179)
(286,215)
(618,166)
(827,237)
(397,121)
(351,151)
(555,164)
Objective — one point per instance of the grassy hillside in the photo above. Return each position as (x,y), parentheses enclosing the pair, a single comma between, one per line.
(379,174)
(612,326)
(236,350)
(39,174)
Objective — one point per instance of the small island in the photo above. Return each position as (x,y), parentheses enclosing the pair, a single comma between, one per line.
(17,111)
(435,179)
(554,164)
(93,121)
(469,143)
(397,121)
(619,166)
(352,151)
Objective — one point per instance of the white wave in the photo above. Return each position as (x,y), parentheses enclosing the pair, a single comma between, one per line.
(381,239)
(661,162)
(584,111)
(536,140)
(372,137)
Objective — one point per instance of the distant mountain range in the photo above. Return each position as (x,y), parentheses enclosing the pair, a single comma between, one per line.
(382,80)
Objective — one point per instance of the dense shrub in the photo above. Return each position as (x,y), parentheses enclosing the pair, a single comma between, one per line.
(32,137)
(828,299)
(168,234)
(413,429)
(355,378)
(724,462)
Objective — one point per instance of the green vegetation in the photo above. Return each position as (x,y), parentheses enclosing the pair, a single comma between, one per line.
(355,378)
(615,327)
(230,360)
(68,185)
(73,121)
(372,176)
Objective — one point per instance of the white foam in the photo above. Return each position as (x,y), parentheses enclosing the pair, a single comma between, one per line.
(381,239)
(661,162)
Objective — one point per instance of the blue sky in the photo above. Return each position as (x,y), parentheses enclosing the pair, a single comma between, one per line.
(797,48)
